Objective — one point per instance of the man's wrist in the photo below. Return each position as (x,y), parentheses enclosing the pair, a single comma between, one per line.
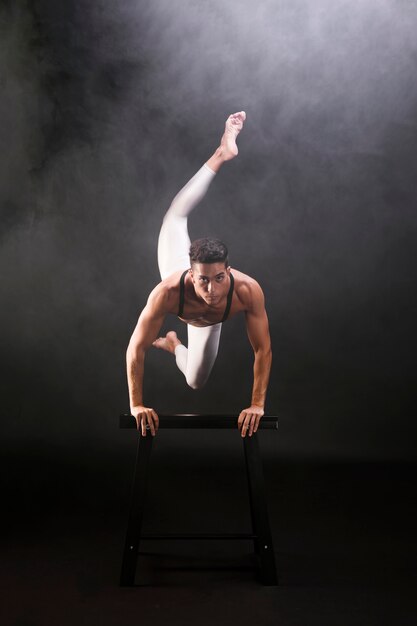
(260,405)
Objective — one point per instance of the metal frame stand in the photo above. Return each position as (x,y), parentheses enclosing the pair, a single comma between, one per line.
(261,532)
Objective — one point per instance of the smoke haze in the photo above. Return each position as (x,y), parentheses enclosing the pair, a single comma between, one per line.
(107,109)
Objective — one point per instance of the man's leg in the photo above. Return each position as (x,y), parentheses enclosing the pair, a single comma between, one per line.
(197,360)
(174,242)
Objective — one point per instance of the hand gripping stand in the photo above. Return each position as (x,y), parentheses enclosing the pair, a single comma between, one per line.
(261,532)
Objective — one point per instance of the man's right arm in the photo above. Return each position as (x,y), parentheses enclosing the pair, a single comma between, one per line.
(145,333)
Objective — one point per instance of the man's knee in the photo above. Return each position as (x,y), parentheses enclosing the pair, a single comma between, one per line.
(195,382)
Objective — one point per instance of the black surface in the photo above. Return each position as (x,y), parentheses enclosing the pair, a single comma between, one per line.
(137,508)
(261,531)
(198,420)
(258,499)
(344,537)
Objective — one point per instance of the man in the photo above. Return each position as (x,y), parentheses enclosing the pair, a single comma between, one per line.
(203,296)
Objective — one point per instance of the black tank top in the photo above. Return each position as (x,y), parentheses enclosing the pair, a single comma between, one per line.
(228,303)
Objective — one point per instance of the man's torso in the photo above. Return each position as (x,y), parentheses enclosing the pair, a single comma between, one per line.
(197,312)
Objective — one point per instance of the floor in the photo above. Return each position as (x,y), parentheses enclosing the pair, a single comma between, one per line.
(344,539)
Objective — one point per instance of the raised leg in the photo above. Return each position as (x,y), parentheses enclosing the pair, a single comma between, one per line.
(259,511)
(174,241)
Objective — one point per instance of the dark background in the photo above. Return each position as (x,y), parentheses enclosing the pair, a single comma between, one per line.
(107,109)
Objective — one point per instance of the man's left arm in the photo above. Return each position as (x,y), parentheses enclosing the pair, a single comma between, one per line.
(258,332)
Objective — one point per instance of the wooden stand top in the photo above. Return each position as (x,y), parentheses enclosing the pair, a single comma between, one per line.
(198,420)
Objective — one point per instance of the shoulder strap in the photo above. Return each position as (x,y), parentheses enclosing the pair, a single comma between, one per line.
(229,298)
(182,290)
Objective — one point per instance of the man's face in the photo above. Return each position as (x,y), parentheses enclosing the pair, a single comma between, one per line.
(211,281)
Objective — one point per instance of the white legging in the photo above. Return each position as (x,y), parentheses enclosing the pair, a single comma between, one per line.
(196,361)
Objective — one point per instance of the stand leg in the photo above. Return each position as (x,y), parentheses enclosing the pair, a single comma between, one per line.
(259,511)
(130,554)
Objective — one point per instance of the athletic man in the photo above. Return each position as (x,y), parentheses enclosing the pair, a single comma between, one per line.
(203,296)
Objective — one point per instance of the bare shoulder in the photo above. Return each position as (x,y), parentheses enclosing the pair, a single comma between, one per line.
(248,290)
(164,297)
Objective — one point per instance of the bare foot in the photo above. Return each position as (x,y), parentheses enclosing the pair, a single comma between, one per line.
(233,126)
(168,343)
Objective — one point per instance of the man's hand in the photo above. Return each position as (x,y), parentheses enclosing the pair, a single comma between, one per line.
(249,419)
(146,419)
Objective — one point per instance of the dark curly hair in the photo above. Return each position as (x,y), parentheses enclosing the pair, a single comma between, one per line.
(208,250)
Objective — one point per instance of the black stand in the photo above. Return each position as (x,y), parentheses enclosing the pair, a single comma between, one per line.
(261,532)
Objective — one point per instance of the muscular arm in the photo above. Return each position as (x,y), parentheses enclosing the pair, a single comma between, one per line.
(146,331)
(258,332)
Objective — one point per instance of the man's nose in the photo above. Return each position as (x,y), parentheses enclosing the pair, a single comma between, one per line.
(210,288)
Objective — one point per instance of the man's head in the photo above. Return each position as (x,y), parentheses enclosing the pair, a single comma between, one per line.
(210,269)
(208,250)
